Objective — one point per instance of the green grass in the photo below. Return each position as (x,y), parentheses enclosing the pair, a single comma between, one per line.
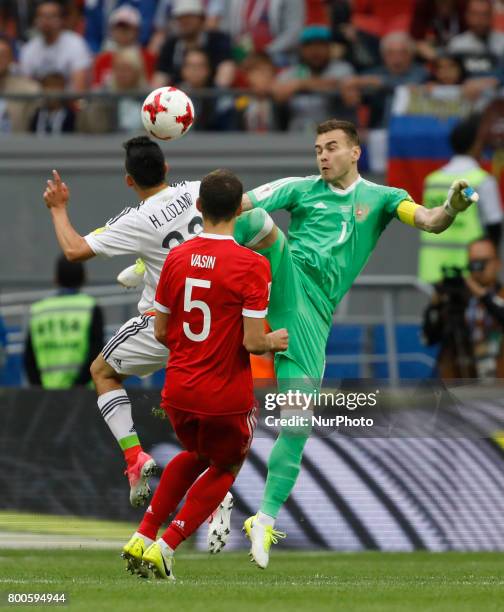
(96,581)
(64,525)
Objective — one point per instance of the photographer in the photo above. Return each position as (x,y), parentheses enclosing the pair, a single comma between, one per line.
(466,316)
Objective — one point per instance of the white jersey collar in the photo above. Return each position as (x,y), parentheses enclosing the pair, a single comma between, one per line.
(349,189)
(216,236)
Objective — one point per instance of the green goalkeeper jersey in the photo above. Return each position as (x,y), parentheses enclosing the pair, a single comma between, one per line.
(332,231)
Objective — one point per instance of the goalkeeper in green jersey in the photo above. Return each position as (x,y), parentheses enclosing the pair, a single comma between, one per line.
(336,220)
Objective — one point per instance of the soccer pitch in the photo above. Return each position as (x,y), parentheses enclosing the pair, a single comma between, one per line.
(377,582)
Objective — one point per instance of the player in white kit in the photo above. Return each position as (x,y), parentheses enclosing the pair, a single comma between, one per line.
(165,217)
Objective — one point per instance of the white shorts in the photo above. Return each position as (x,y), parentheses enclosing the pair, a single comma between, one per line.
(133,350)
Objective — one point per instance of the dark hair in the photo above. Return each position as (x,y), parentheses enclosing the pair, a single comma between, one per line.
(69,274)
(338,124)
(145,161)
(456,59)
(220,195)
(485,238)
(62,4)
(463,135)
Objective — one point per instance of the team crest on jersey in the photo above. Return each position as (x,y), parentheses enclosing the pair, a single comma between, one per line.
(361,212)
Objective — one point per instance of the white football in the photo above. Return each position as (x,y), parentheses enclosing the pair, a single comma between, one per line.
(167,113)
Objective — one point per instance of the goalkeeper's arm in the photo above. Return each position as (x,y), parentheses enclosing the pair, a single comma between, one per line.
(436,220)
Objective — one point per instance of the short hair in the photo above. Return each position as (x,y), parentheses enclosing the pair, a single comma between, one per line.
(488,240)
(220,195)
(69,274)
(145,161)
(256,60)
(464,134)
(62,4)
(397,36)
(338,124)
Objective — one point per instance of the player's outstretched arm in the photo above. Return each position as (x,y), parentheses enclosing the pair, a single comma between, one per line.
(257,342)
(436,220)
(73,245)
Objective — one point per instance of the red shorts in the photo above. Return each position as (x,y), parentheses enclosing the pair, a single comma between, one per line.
(223,439)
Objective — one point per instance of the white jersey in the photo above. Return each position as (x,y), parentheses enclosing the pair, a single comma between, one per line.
(150,230)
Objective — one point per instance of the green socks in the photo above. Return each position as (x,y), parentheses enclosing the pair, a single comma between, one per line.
(283,469)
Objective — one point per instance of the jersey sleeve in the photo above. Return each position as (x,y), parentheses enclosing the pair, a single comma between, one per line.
(393,199)
(256,290)
(252,227)
(118,237)
(281,194)
(162,301)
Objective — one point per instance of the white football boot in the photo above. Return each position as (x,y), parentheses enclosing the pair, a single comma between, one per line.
(261,538)
(219,525)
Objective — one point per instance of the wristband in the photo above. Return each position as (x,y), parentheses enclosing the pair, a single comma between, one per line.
(449,210)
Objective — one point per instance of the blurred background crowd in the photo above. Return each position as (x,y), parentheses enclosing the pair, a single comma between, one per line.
(250,65)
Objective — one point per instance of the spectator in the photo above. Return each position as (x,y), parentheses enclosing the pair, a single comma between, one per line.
(14,114)
(54,49)
(55,116)
(65,333)
(163,20)
(123,114)
(211,113)
(360,48)
(491,137)
(97,15)
(128,76)
(447,69)
(316,73)
(398,68)
(480,46)
(189,17)
(450,247)
(467,318)
(434,23)
(124,29)
(256,111)
(271,26)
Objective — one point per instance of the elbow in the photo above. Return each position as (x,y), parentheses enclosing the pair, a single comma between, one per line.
(73,256)
(252,347)
(160,337)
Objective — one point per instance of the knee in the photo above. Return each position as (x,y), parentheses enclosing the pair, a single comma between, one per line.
(98,368)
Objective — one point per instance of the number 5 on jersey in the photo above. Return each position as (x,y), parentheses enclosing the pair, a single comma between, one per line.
(190,304)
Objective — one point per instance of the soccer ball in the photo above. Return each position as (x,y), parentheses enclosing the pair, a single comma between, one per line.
(167,113)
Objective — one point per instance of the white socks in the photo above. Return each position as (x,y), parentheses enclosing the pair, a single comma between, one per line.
(265,520)
(115,408)
(165,548)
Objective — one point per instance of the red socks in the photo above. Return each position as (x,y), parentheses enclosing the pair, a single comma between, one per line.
(176,479)
(202,499)
(131,455)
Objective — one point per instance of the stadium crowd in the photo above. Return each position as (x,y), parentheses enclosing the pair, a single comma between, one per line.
(254,65)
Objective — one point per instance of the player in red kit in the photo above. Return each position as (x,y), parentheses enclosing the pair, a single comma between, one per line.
(211,302)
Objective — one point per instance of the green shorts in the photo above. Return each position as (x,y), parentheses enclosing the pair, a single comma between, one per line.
(292,306)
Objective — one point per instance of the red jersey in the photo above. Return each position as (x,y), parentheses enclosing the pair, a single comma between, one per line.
(208,284)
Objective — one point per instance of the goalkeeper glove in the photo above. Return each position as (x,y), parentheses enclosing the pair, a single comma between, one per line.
(460,197)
